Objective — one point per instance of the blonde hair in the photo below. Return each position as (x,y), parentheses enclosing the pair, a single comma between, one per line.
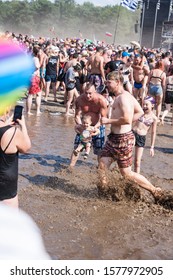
(116,76)
(87,118)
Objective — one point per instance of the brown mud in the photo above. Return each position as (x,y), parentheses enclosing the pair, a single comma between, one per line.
(75,222)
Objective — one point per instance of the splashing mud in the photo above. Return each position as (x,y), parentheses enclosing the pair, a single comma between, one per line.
(75,220)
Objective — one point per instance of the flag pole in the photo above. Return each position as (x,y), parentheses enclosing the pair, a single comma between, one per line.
(142,23)
(155,22)
(116,25)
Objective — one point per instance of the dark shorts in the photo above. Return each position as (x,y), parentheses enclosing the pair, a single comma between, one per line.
(139,140)
(120,148)
(96,80)
(138,85)
(97,141)
(51,78)
(169,97)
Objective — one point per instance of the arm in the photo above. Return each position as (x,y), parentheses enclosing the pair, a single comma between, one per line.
(147,72)
(94,131)
(102,69)
(103,113)
(138,111)
(153,136)
(22,140)
(78,113)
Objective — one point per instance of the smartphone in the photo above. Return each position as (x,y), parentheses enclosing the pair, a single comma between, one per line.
(17,113)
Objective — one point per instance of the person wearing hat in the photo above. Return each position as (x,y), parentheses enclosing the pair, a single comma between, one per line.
(70,83)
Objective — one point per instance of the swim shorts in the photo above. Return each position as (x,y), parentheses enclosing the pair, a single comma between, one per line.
(139,139)
(51,78)
(97,141)
(120,148)
(35,85)
(138,85)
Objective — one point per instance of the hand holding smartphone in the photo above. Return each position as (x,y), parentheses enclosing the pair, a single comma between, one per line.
(17,113)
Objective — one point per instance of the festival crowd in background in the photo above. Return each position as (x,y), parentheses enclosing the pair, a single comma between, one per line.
(84,70)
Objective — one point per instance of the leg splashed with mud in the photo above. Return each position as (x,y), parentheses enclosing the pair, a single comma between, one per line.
(118,188)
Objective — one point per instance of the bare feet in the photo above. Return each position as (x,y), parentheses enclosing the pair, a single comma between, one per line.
(29,113)
(38,114)
(157,193)
(69,114)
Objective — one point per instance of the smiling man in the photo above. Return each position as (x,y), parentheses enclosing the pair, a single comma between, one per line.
(121,140)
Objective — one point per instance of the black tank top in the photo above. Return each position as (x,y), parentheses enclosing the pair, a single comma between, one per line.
(8,169)
(51,67)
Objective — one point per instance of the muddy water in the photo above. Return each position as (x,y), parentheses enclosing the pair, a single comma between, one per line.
(74,221)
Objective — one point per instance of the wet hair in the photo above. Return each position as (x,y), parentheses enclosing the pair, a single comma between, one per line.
(90,84)
(151,99)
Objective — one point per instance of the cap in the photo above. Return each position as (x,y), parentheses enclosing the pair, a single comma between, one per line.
(124,54)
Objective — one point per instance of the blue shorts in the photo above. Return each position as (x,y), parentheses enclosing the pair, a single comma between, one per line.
(51,78)
(97,141)
(155,90)
(138,85)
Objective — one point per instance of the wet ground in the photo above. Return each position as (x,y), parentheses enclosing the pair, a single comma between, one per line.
(75,222)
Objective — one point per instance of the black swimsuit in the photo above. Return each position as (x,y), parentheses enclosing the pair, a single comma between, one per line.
(8,169)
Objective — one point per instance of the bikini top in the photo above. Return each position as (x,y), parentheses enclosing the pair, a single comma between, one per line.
(147,122)
(155,77)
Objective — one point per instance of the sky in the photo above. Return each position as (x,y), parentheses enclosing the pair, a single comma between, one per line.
(100,2)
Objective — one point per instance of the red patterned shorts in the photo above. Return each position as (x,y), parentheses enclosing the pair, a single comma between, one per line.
(120,148)
(35,85)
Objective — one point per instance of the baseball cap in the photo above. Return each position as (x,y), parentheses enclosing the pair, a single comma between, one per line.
(124,54)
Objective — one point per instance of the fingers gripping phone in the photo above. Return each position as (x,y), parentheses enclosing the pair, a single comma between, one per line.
(17,113)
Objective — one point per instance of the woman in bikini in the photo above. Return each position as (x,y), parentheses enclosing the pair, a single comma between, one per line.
(156,85)
(13,139)
(145,122)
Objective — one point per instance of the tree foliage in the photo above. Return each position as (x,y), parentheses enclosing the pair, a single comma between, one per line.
(66,18)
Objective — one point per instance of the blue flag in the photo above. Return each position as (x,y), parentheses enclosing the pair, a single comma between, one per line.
(130,4)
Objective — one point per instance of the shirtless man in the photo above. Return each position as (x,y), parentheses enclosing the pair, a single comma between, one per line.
(120,142)
(93,104)
(97,75)
(140,75)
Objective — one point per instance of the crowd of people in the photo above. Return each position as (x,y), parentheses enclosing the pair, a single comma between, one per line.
(124,87)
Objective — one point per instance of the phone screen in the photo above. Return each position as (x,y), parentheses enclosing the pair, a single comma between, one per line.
(17,112)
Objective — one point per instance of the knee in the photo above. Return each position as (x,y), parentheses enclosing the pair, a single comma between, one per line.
(126,174)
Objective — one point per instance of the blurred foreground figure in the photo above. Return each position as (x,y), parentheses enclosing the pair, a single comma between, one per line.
(20,238)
